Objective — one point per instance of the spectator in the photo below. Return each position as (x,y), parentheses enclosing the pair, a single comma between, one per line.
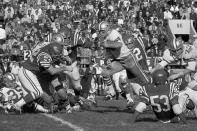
(193,16)
(9,12)
(185,13)
(167,14)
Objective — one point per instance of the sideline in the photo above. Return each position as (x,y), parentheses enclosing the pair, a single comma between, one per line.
(72,126)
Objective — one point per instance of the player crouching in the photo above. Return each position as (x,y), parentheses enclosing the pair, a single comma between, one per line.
(162,97)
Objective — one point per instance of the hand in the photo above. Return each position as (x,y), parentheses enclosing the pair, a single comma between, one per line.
(66,68)
(147,71)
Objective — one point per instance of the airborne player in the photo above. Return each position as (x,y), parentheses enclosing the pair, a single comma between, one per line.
(123,58)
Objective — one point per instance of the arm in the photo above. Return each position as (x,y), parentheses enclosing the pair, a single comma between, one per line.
(46,62)
(112,44)
(52,70)
(190,68)
(167,58)
(157,67)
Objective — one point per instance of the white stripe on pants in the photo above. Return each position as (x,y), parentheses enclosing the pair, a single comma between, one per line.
(30,82)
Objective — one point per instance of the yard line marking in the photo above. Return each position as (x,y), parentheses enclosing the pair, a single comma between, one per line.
(72,126)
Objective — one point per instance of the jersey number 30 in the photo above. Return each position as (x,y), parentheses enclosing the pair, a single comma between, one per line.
(160,103)
(137,53)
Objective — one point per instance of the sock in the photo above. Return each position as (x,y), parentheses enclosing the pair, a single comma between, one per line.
(28,98)
(128,96)
(182,118)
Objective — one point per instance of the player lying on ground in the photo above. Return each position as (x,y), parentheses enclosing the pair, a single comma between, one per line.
(162,97)
(11,92)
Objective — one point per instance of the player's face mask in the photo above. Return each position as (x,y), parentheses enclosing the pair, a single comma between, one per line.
(177,49)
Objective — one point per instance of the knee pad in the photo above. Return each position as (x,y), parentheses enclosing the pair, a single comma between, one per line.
(123,80)
(140,107)
(177,109)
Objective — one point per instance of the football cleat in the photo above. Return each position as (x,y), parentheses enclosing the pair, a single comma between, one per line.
(53,108)
(85,103)
(108,97)
(91,97)
(76,107)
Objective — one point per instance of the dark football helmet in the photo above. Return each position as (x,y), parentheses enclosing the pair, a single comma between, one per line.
(103,28)
(58,38)
(56,51)
(159,77)
(66,33)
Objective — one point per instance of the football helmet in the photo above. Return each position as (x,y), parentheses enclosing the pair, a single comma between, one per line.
(159,77)
(177,47)
(58,38)
(56,50)
(103,28)
(5,58)
(9,80)
(66,33)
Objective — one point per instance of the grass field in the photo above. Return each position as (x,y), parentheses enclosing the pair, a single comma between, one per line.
(108,116)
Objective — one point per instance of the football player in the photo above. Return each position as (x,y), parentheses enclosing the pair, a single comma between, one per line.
(122,57)
(175,52)
(12,92)
(162,97)
(41,60)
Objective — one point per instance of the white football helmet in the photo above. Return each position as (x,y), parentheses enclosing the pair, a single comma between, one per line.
(57,37)
(104,26)
(103,29)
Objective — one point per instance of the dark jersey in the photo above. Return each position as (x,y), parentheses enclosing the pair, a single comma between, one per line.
(161,98)
(40,59)
(137,47)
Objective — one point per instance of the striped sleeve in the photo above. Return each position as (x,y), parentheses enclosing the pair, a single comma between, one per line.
(174,93)
(143,95)
(174,90)
(44,60)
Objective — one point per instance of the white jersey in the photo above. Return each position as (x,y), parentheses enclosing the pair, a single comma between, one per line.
(119,53)
(12,95)
(169,58)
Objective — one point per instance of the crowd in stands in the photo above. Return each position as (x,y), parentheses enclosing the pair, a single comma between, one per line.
(34,20)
